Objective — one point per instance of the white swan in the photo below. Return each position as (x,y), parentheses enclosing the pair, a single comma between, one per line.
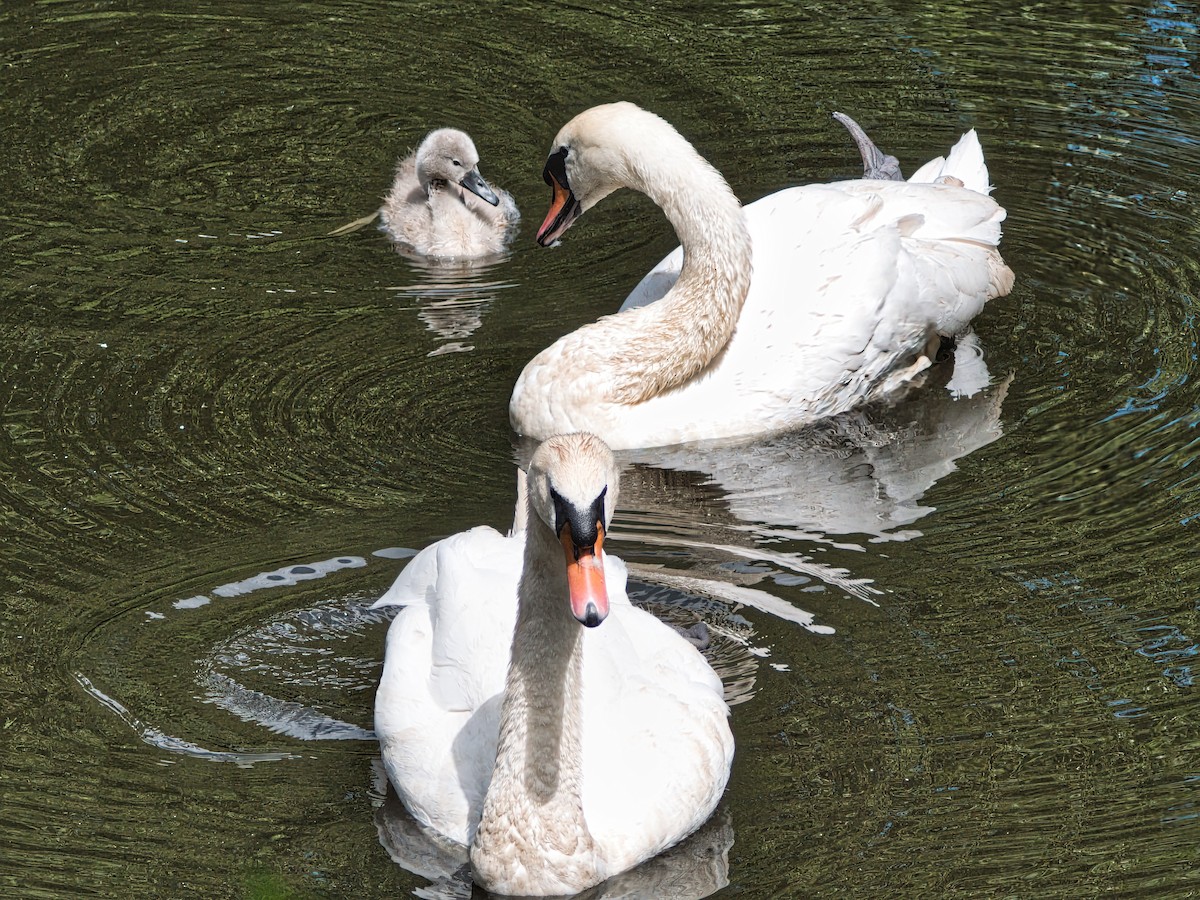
(590,749)
(854,284)
(439,206)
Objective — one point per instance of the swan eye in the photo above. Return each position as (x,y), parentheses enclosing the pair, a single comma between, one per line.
(457,163)
(562,511)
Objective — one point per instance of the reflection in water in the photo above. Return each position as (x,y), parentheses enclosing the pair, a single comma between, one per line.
(452,297)
(297,649)
(737,595)
(286,674)
(187,401)
(283,577)
(157,738)
(694,868)
(292,674)
(859,475)
(681,603)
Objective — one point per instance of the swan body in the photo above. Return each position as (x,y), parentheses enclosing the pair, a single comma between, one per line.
(440,206)
(806,303)
(562,754)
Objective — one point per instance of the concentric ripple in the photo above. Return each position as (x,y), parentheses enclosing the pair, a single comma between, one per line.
(307,673)
(960,633)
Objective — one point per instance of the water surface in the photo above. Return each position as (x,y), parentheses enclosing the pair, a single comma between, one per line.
(961,634)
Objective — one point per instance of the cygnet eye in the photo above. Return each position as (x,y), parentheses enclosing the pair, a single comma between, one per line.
(457,163)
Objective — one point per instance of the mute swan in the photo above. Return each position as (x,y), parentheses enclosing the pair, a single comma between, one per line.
(588,751)
(439,204)
(854,285)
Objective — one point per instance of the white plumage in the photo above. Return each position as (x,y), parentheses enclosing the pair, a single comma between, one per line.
(439,205)
(815,299)
(654,741)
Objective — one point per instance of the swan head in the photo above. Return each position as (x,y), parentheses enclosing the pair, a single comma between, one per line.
(448,156)
(573,483)
(600,150)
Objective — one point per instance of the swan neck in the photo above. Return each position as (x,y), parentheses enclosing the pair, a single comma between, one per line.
(696,318)
(535,796)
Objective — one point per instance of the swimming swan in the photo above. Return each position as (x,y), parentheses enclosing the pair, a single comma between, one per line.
(854,285)
(592,748)
(440,206)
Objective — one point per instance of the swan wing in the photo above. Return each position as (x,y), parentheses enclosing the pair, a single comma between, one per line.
(965,162)
(655,284)
(873,262)
(851,281)
(657,743)
(437,710)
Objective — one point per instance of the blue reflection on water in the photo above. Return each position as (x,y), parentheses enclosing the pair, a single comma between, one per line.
(1163,643)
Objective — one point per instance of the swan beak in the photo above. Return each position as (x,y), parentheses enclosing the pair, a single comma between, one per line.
(474,183)
(585,578)
(564,209)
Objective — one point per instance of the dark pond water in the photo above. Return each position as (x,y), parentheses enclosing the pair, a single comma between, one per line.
(962,634)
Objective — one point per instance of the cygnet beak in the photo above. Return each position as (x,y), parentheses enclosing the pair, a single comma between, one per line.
(474,183)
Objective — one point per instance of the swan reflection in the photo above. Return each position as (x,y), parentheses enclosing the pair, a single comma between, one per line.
(451,299)
(847,482)
(857,476)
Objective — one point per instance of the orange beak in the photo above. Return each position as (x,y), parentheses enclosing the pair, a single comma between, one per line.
(564,209)
(585,577)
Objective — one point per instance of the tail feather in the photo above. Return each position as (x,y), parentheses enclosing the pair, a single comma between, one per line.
(965,163)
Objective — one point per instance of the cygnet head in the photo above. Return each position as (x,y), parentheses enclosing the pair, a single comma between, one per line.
(600,150)
(573,484)
(448,155)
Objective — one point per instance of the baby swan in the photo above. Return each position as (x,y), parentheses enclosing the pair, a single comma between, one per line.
(440,206)
(529,711)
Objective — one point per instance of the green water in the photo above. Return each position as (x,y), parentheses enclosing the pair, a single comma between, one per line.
(995,692)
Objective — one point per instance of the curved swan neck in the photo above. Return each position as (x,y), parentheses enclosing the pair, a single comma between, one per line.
(693,195)
(534,804)
(693,322)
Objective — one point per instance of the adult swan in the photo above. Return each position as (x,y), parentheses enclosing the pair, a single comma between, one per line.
(809,302)
(584,750)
